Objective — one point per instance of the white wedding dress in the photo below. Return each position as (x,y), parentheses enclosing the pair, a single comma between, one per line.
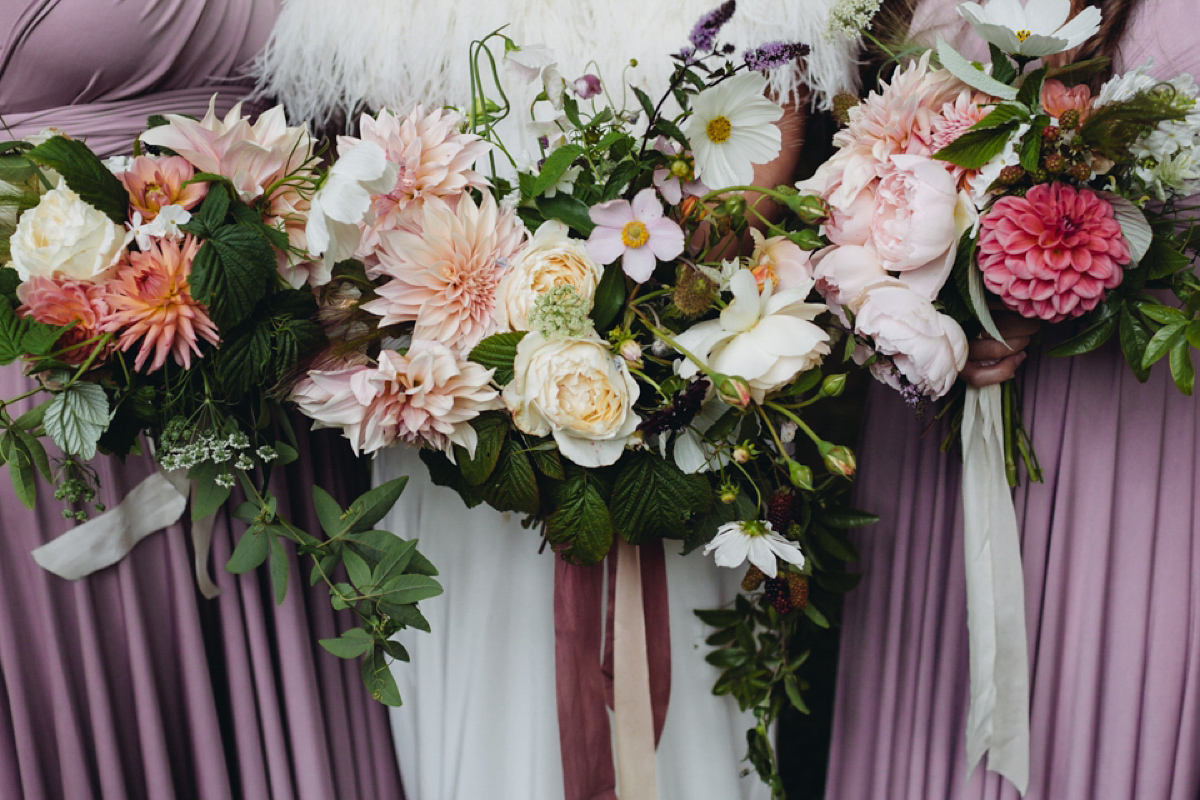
(479,720)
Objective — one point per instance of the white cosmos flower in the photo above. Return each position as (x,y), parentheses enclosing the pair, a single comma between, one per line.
(755,540)
(731,129)
(1037,29)
(344,200)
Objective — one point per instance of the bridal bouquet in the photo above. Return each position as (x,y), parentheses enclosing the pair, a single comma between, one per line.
(959,189)
(581,338)
(161,301)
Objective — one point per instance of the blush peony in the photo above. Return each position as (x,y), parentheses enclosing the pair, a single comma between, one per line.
(1052,254)
(928,348)
(912,224)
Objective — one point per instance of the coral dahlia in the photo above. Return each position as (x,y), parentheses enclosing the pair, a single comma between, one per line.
(1053,253)
(63,302)
(150,300)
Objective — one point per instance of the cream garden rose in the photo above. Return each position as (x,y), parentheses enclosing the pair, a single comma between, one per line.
(550,259)
(64,237)
(577,390)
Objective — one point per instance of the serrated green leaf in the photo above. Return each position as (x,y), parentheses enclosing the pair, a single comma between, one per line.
(1002,68)
(570,211)
(513,485)
(1000,116)
(210,217)
(1161,342)
(610,296)
(1031,150)
(549,464)
(1181,366)
(1091,337)
(76,418)
(581,522)
(498,352)
(279,568)
(554,166)
(975,148)
(243,358)
(490,431)
(652,498)
(85,174)
(619,178)
(645,101)
(251,551)
(1134,336)
(1030,92)
(231,272)
(351,644)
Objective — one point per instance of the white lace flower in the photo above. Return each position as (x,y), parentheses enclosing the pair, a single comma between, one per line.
(1037,29)
(731,129)
(755,540)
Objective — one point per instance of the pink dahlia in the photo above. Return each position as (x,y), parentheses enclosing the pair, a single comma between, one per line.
(434,160)
(1053,253)
(444,278)
(156,182)
(425,397)
(63,302)
(150,301)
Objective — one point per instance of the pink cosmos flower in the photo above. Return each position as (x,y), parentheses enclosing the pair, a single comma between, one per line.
(425,397)
(444,278)
(156,182)
(1057,99)
(434,160)
(251,156)
(63,302)
(1053,253)
(150,301)
(637,232)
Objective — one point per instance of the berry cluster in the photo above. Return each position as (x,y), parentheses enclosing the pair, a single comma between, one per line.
(1063,154)
(788,592)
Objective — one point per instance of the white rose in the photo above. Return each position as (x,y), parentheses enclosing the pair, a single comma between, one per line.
(550,259)
(578,391)
(64,237)
(928,347)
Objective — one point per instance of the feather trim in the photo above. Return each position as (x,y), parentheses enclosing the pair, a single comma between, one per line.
(330,57)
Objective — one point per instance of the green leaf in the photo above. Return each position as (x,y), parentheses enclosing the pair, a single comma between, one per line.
(351,644)
(212,212)
(1002,115)
(645,101)
(792,689)
(329,513)
(76,417)
(718,618)
(1090,338)
(20,470)
(243,358)
(548,463)
(971,75)
(554,166)
(231,272)
(1164,315)
(251,551)
(619,178)
(1162,260)
(279,568)
(581,521)
(1031,150)
(373,505)
(85,173)
(816,616)
(445,473)
(36,452)
(1030,92)
(610,296)
(1181,366)
(569,210)
(513,485)
(409,616)
(33,417)
(378,679)
(357,569)
(208,495)
(394,561)
(835,545)
(975,148)
(490,431)
(727,658)
(848,519)
(1002,69)
(652,498)
(498,352)
(404,589)
(1134,336)
(420,565)
(1162,341)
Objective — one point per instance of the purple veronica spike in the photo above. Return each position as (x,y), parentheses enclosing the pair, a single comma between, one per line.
(704,34)
(774,54)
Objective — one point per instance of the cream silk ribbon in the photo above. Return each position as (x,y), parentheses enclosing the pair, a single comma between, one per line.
(633,718)
(998,719)
(102,541)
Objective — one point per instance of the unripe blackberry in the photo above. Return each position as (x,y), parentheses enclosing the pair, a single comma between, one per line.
(1055,163)
(1069,119)
(1050,133)
(1077,142)
(780,509)
(797,590)
(1011,174)
(1080,171)
(754,578)
(776,592)
(1039,175)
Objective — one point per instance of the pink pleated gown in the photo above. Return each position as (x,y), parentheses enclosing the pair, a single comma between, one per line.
(1112,571)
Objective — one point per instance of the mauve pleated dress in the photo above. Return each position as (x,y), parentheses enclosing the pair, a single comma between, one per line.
(128,684)
(1112,575)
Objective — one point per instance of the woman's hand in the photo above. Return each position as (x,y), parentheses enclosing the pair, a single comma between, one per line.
(990,362)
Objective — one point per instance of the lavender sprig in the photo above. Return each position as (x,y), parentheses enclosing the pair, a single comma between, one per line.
(704,34)
(774,54)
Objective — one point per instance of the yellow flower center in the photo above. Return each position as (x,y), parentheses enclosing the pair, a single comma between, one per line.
(718,129)
(1022,35)
(634,234)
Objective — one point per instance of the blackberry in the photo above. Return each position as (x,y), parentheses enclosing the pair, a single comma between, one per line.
(1069,119)
(1050,133)
(1010,175)
(754,578)
(1080,171)
(780,510)
(797,590)
(1055,163)
(776,592)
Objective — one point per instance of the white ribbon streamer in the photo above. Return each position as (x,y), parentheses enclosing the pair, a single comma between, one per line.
(633,717)
(998,719)
(102,541)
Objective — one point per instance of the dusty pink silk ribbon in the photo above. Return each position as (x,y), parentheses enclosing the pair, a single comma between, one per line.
(584,665)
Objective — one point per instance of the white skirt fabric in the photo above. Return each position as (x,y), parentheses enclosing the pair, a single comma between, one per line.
(480,718)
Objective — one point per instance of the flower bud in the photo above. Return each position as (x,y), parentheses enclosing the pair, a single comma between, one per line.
(735,205)
(680,168)
(728,493)
(833,385)
(839,460)
(800,476)
(809,207)
(787,432)
(631,351)
(742,454)
(587,87)
(733,389)
(806,239)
